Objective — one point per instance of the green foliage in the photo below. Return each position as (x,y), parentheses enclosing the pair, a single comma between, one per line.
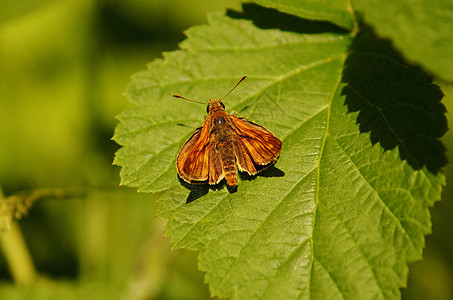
(337,12)
(341,214)
(12,9)
(209,70)
(63,68)
(421,30)
(346,205)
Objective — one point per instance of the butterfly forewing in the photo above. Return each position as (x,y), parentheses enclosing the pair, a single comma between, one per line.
(260,144)
(193,159)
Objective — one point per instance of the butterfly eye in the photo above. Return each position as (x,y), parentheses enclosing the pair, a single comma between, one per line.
(223,105)
(207,109)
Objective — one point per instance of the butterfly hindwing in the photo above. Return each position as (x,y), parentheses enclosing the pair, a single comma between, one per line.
(216,172)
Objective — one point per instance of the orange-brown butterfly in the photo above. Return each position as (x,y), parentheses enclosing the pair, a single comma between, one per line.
(224,141)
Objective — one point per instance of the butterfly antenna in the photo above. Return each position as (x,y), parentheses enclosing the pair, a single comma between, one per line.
(181,97)
(242,79)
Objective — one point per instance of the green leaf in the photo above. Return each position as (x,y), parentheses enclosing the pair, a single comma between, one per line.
(401,108)
(337,12)
(344,209)
(150,128)
(421,30)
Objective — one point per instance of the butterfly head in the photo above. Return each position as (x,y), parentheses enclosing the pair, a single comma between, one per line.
(214,104)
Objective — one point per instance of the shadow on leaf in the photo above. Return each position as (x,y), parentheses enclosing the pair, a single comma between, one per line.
(269,18)
(267,171)
(397,103)
(198,190)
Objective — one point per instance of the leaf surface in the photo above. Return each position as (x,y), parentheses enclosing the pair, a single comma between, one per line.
(421,30)
(337,12)
(340,215)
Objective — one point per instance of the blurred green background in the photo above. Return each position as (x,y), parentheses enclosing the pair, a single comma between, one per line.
(63,66)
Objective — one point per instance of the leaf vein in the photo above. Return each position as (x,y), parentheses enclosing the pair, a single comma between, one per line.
(331,277)
(383,203)
(356,243)
(255,231)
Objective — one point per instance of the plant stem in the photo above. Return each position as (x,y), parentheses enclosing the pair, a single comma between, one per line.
(16,253)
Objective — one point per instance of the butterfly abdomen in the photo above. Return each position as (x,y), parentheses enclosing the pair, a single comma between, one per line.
(228,163)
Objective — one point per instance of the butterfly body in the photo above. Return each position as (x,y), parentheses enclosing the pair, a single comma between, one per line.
(222,143)
(222,131)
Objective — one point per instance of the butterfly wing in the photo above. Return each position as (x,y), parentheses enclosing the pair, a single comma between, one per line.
(192,160)
(255,145)
(198,161)
(216,172)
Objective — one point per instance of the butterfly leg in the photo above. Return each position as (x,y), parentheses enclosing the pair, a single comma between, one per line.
(235,113)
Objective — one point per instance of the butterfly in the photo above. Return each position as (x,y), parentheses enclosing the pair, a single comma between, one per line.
(224,142)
